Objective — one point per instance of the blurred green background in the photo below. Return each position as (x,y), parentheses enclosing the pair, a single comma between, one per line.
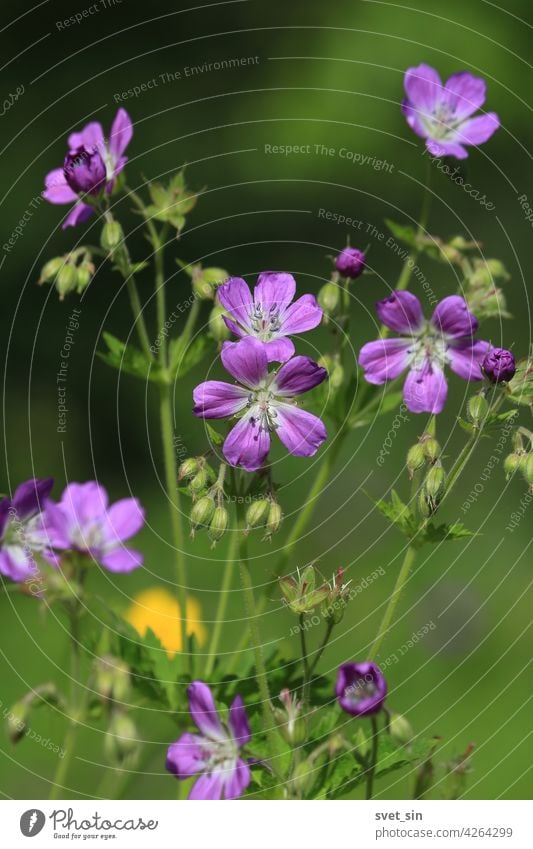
(318,74)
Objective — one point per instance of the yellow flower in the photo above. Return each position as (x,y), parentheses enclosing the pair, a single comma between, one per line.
(157,609)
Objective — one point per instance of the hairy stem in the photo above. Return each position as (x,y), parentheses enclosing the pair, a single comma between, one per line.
(305,661)
(401,581)
(223,598)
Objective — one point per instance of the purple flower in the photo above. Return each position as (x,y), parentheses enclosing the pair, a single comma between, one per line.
(499,365)
(91,164)
(214,754)
(350,262)
(83,522)
(269,315)
(441,114)
(424,348)
(265,403)
(361,688)
(21,534)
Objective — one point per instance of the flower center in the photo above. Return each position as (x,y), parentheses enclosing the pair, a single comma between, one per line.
(265,321)
(221,755)
(263,408)
(362,688)
(429,346)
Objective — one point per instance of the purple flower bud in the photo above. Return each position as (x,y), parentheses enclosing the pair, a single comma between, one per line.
(361,688)
(350,262)
(84,171)
(499,365)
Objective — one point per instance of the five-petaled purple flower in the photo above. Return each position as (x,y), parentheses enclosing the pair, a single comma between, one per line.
(499,365)
(21,535)
(361,688)
(442,114)
(214,754)
(91,164)
(350,262)
(424,348)
(269,315)
(83,522)
(265,401)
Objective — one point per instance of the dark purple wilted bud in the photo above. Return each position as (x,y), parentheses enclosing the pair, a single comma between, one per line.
(350,262)
(361,688)
(499,365)
(85,171)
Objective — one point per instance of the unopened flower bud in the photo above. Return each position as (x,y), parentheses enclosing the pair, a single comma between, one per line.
(202,512)
(112,678)
(66,280)
(425,505)
(527,468)
(85,274)
(121,743)
(112,235)
(198,482)
(416,459)
(431,448)
(434,483)
(511,464)
(16,721)
(292,724)
(257,513)
(336,375)
(205,281)
(400,729)
(50,270)
(499,365)
(218,524)
(303,778)
(329,298)
(275,516)
(217,326)
(477,409)
(350,262)
(188,468)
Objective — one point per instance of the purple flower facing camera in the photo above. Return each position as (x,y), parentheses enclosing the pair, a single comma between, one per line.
(21,533)
(361,688)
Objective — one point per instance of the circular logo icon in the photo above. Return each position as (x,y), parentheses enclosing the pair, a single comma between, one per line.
(32,822)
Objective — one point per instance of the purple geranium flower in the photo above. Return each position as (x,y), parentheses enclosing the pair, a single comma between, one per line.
(499,365)
(441,114)
(350,262)
(361,688)
(269,315)
(265,401)
(83,522)
(91,164)
(214,754)
(424,348)
(21,534)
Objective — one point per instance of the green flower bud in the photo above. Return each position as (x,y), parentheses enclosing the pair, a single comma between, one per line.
(275,516)
(202,512)
(303,778)
(336,375)
(217,326)
(400,729)
(85,275)
(511,464)
(218,524)
(257,513)
(199,482)
(527,468)
(434,482)
(112,678)
(188,468)
(66,280)
(497,269)
(477,409)
(416,459)
(112,236)
(431,448)
(425,505)
(300,593)
(292,724)
(16,721)
(329,298)
(51,269)
(121,743)
(206,280)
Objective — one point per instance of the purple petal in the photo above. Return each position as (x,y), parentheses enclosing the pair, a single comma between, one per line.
(121,559)
(248,443)
(79,213)
(423,87)
(236,781)
(412,116)
(384,359)
(466,356)
(352,688)
(299,375)
(425,390)
(187,756)
(91,138)
(238,722)
(215,399)
(444,148)
(274,290)
(203,711)
(279,350)
(5,507)
(16,563)
(56,188)
(56,525)
(304,314)
(84,502)
(301,432)
(477,130)
(246,361)
(231,325)
(208,787)
(401,312)
(463,95)
(236,298)
(125,518)
(453,318)
(121,134)
(29,497)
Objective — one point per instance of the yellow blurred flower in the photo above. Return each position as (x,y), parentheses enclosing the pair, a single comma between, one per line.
(157,609)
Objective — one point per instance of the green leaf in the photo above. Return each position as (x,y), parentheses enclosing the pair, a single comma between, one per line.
(439,533)
(130,359)
(403,232)
(183,358)
(399,514)
(214,436)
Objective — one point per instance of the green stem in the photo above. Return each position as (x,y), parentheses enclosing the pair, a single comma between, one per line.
(305,661)
(223,597)
(58,783)
(169,454)
(401,581)
(136,309)
(408,266)
(321,648)
(373,758)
